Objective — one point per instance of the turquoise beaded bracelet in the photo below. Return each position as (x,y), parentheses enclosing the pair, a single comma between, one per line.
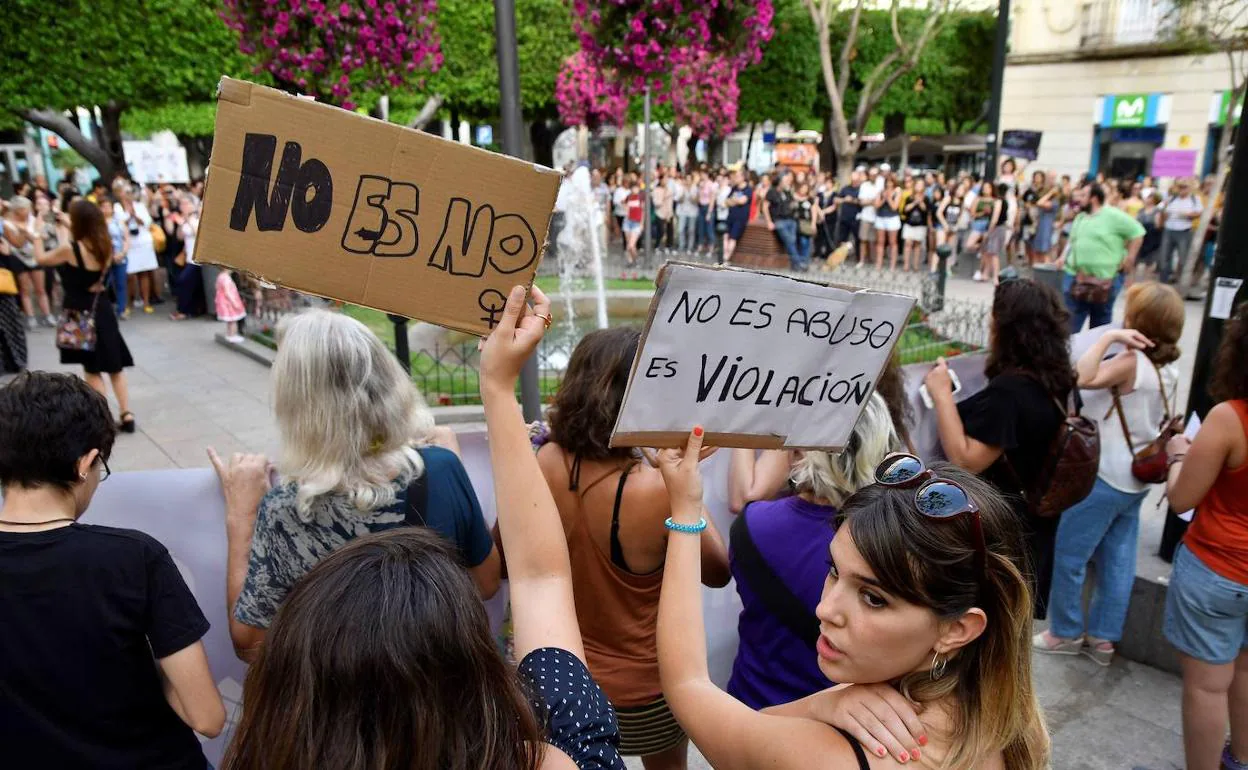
(688,529)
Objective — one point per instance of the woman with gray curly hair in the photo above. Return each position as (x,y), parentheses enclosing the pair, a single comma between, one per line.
(359,454)
(778,552)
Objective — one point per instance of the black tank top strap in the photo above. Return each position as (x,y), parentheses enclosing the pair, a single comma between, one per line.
(617,550)
(78,255)
(574,472)
(859,751)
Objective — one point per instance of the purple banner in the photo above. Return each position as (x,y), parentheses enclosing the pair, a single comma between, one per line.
(1174,163)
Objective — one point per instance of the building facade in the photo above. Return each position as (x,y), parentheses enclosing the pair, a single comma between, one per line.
(1108,85)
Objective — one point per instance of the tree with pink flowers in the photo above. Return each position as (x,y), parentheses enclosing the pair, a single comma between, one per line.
(687,52)
(586,96)
(337,51)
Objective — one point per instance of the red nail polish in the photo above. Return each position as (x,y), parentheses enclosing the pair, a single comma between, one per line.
(697,431)
(880,752)
(922,740)
(905,756)
(914,754)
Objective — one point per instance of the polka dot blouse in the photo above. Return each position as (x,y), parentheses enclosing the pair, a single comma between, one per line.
(575,713)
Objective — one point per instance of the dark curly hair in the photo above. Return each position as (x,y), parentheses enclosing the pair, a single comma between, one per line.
(1230,365)
(588,402)
(1031,335)
(47,423)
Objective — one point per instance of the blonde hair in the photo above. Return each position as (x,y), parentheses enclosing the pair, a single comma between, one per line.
(835,477)
(349,417)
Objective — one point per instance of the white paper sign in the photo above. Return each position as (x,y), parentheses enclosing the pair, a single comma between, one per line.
(1224,291)
(758,360)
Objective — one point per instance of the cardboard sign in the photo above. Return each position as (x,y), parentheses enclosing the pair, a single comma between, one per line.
(329,202)
(758,360)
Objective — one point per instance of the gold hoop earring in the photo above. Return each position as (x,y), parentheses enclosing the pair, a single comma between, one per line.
(939,664)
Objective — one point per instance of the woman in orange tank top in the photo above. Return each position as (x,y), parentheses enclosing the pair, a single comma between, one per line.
(1207,602)
(613,505)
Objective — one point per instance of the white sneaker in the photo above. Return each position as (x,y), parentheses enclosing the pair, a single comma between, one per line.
(978,276)
(234,339)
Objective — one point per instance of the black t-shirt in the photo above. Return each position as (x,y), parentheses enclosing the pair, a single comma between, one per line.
(780,204)
(84,613)
(849,208)
(1016,413)
(916,213)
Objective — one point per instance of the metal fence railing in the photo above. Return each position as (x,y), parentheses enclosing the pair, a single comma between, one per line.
(448,373)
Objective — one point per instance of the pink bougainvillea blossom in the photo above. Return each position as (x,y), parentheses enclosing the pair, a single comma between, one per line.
(704,94)
(335,52)
(586,97)
(642,39)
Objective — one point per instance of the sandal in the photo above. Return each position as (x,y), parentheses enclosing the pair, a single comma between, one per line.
(127,424)
(178,316)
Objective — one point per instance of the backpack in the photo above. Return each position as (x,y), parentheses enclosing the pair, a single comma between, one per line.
(1070,467)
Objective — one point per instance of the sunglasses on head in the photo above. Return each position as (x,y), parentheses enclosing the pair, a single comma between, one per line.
(936,498)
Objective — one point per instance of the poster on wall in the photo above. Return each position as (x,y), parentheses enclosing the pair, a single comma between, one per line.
(157,162)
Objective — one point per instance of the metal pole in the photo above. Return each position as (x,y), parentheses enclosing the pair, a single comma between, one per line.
(645,171)
(401,350)
(512,127)
(998,81)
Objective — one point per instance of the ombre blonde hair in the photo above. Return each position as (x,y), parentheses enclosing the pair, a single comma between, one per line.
(835,477)
(349,417)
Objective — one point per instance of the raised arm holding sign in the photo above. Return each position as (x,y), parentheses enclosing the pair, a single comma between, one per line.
(760,360)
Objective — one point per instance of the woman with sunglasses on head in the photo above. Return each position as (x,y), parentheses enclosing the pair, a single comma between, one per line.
(1005,432)
(923,608)
(100,645)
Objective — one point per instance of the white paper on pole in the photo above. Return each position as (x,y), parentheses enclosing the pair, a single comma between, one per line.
(758,360)
(1224,291)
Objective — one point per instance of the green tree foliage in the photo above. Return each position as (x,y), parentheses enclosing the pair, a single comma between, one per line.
(185,119)
(785,85)
(468,80)
(946,91)
(114,54)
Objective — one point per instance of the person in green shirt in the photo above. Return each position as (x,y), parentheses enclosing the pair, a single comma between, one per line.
(1103,243)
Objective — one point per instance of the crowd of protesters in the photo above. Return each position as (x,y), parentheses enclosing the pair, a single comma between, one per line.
(357,565)
(899,219)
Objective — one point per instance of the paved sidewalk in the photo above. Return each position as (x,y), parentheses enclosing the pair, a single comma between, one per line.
(189,392)
(186,391)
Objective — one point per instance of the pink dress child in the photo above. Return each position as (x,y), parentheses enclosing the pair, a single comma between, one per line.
(230,306)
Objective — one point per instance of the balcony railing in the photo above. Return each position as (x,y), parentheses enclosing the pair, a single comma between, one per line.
(1113,23)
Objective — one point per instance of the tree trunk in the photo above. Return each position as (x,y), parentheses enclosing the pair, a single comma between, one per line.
(110,137)
(454,124)
(894,124)
(714,150)
(543,139)
(1224,166)
(427,112)
(749,144)
(60,124)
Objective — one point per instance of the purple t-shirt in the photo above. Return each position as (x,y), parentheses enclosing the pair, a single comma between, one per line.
(773,665)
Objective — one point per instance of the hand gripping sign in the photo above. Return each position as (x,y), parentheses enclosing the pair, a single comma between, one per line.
(326,201)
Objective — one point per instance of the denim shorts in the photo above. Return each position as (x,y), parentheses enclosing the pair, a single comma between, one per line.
(1206,614)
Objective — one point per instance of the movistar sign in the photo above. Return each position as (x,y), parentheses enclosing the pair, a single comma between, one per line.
(1130,110)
